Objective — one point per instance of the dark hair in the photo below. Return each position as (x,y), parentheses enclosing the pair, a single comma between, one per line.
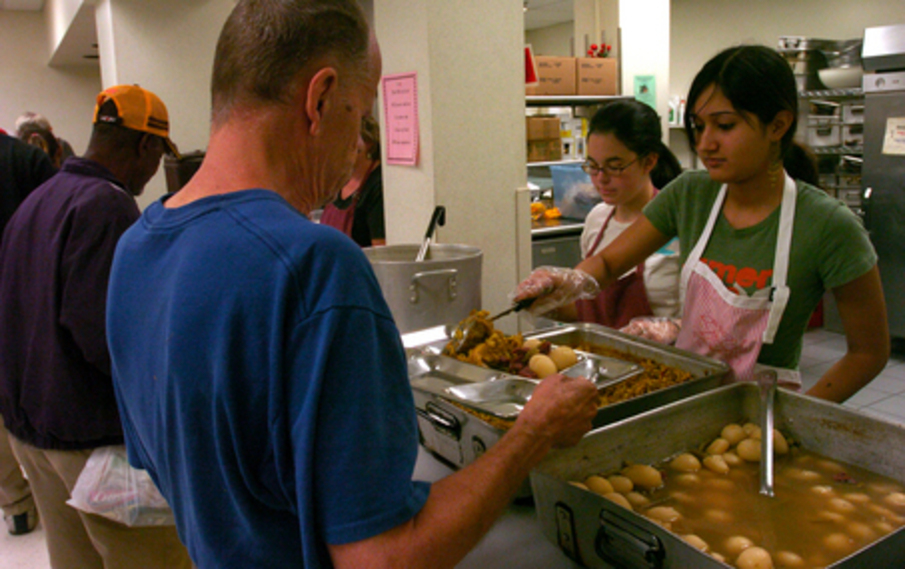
(266,44)
(801,164)
(370,133)
(755,79)
(637,126)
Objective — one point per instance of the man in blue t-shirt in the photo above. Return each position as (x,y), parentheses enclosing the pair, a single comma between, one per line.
(260,376)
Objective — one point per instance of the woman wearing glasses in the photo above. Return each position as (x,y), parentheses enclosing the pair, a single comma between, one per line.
(759,249)
(627,162)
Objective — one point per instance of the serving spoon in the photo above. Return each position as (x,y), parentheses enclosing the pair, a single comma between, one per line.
(471,332)
(766,380)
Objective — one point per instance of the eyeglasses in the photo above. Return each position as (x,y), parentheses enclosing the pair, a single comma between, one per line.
(592,168)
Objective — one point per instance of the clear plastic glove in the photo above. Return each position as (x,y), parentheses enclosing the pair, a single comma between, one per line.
(662,330)
(554,287)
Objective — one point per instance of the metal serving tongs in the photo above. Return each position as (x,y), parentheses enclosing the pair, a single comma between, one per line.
(469,332)
(766,381)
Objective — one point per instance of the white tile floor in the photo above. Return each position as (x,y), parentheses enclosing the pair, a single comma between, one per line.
(884,398)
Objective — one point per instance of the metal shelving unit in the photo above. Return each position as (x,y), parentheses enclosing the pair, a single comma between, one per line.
(831,123)
(570,100)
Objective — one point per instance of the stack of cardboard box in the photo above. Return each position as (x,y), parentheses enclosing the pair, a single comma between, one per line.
(544,141)
(574,76)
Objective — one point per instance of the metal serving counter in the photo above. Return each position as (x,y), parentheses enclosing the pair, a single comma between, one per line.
(515,540)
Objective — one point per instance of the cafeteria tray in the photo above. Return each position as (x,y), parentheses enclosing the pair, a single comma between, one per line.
(595,532)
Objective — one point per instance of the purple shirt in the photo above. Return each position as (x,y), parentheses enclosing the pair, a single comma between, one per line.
(55,386)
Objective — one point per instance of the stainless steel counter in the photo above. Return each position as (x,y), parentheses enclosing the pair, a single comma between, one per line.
(555,227)
(515,540)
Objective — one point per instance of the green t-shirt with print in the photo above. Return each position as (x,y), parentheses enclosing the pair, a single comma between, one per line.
(830,248)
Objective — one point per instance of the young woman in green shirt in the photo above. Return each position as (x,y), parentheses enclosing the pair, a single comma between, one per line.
(759,249)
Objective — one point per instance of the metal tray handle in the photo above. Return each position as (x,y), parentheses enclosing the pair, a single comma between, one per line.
(621,543)
(442,421)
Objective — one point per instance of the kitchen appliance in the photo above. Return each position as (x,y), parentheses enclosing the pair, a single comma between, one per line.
(460,437)
(883,168)
(596,532)
(444,287)
(821,63)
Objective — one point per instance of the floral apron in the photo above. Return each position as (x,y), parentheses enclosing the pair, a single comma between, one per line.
(732,327)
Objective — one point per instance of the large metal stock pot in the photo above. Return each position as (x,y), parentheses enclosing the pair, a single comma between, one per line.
(443,288)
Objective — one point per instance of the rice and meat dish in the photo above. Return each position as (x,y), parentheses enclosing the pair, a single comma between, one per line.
(493,349)
(655,376)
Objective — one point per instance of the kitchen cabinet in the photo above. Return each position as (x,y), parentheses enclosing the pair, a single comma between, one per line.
(831,123)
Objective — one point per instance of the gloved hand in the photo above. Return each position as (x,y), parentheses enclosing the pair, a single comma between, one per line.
(554,287)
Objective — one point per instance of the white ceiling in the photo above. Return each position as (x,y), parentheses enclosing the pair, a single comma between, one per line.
(81,37)
(544,13)
(21,4)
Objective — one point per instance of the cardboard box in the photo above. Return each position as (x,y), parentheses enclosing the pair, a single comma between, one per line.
(542,127)
(556,76)
(595,76)
(549,150)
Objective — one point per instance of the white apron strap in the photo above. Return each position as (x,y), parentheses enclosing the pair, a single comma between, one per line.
(781,291)
(698,250)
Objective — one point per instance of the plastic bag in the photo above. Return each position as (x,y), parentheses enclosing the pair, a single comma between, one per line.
(108,486)
(554,287)
(659,329)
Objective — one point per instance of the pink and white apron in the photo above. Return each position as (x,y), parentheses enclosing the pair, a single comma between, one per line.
(732,327)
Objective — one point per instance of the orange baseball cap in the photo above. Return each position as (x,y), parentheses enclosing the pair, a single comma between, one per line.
(137,109)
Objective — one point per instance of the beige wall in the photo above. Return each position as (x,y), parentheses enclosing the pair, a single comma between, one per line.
(469,65)
(701,28)
(552,40)
(64,95)
(166,46)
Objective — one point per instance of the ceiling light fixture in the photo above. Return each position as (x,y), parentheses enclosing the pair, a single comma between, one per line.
(525,6)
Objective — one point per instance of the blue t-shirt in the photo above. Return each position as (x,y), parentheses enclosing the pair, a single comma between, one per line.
(261,380)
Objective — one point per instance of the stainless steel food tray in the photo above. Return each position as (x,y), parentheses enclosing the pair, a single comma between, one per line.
(597,533)
(460,437)
(500,394)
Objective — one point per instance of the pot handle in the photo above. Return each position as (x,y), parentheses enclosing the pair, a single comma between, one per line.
(625,544)
(451,274)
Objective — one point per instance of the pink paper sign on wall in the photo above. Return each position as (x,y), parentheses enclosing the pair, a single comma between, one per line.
(400,106)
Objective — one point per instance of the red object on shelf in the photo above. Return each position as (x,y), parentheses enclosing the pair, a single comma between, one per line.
(530,67)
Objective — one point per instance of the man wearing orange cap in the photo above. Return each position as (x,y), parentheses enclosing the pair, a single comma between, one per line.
(56,392)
